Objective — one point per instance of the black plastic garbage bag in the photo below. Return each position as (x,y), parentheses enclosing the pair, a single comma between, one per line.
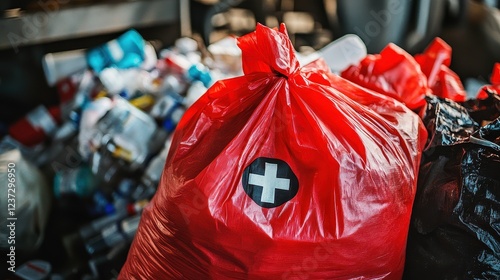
(455,225)
(483,110)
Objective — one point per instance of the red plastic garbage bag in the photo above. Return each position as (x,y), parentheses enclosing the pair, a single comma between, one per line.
(394,73)
(409,79)
(278,175)
(435,62)
(494,88)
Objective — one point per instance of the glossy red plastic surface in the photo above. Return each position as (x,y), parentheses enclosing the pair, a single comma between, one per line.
(494,88)
(396,73)
(435,62)
(355,154)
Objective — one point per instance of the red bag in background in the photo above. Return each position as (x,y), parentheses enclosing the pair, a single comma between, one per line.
(494,88)
(435,62)
(396,73)
(486,107)
(283,174)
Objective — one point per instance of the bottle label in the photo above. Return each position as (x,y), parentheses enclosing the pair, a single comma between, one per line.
(42,119)
(115,50)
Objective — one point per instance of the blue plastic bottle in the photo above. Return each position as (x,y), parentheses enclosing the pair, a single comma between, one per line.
(125,51)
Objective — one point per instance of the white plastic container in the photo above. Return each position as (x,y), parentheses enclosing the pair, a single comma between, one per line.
(63,64)
(339,54)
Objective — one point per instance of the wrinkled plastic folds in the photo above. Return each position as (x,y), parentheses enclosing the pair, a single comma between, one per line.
(351,156)
(409,79)
(393,72)
(434,63)
(495,84)
(454,230)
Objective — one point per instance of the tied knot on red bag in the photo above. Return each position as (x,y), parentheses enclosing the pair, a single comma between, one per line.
(268,51)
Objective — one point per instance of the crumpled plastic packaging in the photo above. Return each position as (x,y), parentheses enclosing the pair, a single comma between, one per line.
(283,173)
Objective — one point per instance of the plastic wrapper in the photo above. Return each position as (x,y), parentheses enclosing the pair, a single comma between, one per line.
(279,175)
(454,231)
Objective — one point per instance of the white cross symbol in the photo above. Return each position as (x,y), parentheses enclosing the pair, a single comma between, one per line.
(269,182)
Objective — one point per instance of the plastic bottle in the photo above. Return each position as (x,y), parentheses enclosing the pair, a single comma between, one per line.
(152,174)
(195,91)
(57,66)
(124,52)
(169,109)
(113,234)
(66,91)
(339,54)
(95,226)
(150,57)
(91,114)
(128,83)
(37,126)
(186,45)
(79,181)
(171,84)
(123,132)
(192,72)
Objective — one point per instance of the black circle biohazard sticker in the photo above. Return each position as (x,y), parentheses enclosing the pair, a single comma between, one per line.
(270,182)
